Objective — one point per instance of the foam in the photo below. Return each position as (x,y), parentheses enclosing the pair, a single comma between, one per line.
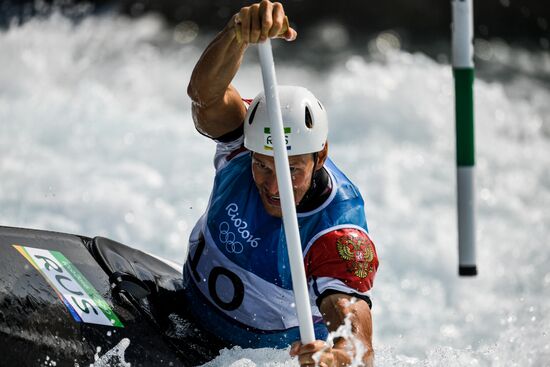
(97,139)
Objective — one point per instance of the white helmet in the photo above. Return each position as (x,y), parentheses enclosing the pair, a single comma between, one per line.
(304,120)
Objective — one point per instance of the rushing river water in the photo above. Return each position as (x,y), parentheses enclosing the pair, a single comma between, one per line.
(96,138)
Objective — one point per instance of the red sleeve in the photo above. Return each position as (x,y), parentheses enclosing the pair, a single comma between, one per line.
(346,254)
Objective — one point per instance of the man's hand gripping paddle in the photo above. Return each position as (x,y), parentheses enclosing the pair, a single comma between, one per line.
(238,31)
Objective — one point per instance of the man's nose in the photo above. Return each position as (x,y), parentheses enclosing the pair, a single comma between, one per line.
(271,185)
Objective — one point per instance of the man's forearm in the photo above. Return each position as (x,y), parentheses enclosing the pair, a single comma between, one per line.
(335,309)
(217,106)
(216,68)
(343,355)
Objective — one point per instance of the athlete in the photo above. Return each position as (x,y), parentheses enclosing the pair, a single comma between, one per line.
(237,275)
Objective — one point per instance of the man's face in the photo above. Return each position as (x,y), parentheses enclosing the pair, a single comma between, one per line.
(263,171)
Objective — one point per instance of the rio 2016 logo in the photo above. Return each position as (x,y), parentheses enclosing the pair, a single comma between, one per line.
(241,226)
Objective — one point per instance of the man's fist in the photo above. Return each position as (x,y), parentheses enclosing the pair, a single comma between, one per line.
(258,22)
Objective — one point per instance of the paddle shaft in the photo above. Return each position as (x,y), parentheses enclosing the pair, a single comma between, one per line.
(284,182)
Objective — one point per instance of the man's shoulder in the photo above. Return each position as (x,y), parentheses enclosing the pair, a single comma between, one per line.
(346,253)
(345,189)
(227,152)
(336,172)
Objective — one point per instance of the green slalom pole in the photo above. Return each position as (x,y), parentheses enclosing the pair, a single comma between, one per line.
(463,71)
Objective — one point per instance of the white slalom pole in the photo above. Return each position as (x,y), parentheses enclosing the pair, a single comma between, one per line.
(282,169)
(463,71)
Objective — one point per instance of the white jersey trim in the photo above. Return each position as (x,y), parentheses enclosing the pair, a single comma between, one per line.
(326,283)
(224,149)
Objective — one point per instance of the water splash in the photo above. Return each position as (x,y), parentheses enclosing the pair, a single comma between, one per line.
(262,357)
(113,357)
(355,347)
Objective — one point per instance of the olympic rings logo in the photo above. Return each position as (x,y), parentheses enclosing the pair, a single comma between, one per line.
(228,239)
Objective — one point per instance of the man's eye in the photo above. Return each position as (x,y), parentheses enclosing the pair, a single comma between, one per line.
(260,165)
(295,170)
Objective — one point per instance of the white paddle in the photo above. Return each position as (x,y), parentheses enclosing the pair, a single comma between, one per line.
(282,169)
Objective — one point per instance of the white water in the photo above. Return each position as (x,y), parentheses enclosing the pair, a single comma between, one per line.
(96,138)
(113,357)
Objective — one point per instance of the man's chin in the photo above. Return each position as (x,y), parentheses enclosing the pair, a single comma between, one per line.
(273,210)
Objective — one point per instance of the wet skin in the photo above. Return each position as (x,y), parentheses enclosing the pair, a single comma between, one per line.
(263,172)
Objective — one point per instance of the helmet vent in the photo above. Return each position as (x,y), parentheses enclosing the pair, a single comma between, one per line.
(253,113)
(309,120)
(320,105)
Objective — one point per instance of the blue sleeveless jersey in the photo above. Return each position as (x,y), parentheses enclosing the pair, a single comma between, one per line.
(238,275)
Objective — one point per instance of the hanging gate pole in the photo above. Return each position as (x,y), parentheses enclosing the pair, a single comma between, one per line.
(463,71)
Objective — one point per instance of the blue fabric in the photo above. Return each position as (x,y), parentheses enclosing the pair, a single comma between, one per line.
(254,241)
(242,335)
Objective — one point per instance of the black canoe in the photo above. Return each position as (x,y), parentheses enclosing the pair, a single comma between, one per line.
(66,300)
